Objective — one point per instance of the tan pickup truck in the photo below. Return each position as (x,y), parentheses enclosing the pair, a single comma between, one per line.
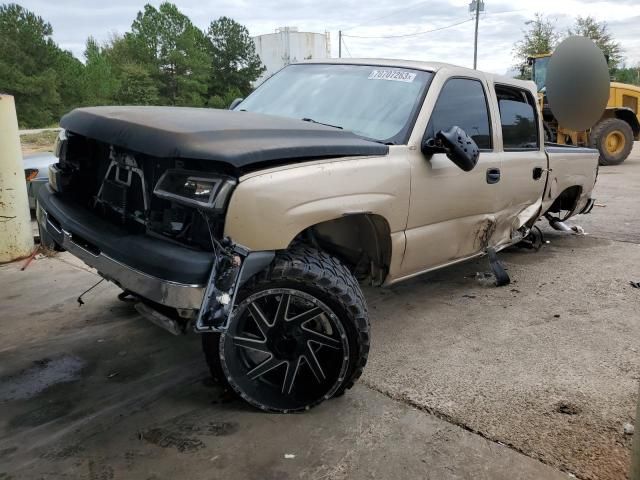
(255,226)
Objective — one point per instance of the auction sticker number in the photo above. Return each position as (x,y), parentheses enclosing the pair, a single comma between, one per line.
(393,75)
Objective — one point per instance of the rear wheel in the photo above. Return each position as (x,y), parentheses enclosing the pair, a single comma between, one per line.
(614,140)
(299,335)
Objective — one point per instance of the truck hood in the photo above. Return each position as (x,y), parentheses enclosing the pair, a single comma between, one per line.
(240,139)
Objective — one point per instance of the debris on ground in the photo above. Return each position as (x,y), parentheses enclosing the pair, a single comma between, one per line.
(634,284)
(628,428)
(30,259)
(499,272)
(567,408)
(289,455)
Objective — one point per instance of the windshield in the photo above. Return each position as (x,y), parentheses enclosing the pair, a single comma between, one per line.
(374,102)
(540,72)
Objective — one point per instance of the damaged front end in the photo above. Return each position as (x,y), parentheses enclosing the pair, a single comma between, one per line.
(233,266)
(152,226)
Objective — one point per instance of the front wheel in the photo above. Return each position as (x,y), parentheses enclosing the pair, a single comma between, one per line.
(299,334)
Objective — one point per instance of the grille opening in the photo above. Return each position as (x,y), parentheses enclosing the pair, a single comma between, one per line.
(52,220)
(88,246)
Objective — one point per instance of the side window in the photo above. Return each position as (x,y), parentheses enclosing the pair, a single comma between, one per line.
(518,119)
(462,102)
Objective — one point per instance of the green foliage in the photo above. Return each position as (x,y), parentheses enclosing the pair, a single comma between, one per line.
(100,84)
(234,61)
(28,62)
(163,60)
(224,101)
(71,84)
(599,33)
(540,37)
(136,87)
(175,53)
(627,75)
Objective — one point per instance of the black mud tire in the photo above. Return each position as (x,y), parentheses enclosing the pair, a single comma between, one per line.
(324,277)
(621,130)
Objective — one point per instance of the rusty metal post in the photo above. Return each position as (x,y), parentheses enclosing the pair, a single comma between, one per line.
(635,452)
(16,237)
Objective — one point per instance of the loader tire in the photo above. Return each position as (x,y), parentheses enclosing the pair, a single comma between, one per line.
(614,140)
(264,341)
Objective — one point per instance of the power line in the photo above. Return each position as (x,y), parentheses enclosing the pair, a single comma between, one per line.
(393,12)
(411,34)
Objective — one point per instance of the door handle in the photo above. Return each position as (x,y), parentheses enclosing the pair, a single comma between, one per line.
(493,175)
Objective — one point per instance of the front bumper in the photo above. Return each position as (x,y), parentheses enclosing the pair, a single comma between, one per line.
(72,236)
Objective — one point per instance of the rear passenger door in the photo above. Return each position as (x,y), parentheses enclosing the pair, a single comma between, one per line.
(523,161)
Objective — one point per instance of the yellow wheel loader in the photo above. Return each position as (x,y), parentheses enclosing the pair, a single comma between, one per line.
(614,133)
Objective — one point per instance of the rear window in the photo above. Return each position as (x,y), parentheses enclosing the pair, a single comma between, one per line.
(517,119)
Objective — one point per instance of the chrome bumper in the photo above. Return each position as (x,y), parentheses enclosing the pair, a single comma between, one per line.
(164,292)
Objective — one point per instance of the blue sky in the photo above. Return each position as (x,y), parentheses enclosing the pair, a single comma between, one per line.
(501,25)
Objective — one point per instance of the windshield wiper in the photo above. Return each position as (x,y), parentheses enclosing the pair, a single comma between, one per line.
(311,120)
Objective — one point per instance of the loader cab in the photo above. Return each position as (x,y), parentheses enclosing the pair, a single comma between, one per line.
(539,64)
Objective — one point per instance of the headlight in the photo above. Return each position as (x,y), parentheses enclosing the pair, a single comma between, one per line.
(60,145)
(195,189)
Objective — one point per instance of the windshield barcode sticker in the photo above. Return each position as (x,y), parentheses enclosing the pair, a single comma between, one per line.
(394,75)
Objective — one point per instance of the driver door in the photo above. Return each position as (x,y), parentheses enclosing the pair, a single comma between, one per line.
(452,212)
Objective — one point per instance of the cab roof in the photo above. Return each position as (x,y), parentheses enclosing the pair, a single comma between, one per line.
(426,66)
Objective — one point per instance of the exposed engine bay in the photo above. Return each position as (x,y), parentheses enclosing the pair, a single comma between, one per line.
(169,198)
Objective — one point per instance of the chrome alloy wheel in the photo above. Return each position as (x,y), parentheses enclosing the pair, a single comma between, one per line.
(284,351)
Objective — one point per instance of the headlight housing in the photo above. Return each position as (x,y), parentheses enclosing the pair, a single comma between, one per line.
(195,189)
(60,145)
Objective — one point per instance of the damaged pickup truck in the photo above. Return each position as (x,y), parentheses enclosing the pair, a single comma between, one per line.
(255,226)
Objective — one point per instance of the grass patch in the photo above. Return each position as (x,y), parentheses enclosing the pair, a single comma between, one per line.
(39,142)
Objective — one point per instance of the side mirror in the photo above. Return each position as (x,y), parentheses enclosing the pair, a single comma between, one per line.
(235,103)
(459,147)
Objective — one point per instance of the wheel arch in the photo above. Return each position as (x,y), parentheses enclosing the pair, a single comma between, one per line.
(627,115)
(361,241)
(568,200)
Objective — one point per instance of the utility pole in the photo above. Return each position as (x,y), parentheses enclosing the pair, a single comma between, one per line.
(339,43)
(476,6)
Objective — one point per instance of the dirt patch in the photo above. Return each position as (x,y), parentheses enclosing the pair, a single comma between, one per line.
(567,408)
(167,439)
(38,142)
(61,453)
(183,432)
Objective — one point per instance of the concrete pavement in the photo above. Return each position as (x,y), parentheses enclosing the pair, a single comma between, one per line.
(95,392)
(528,381)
